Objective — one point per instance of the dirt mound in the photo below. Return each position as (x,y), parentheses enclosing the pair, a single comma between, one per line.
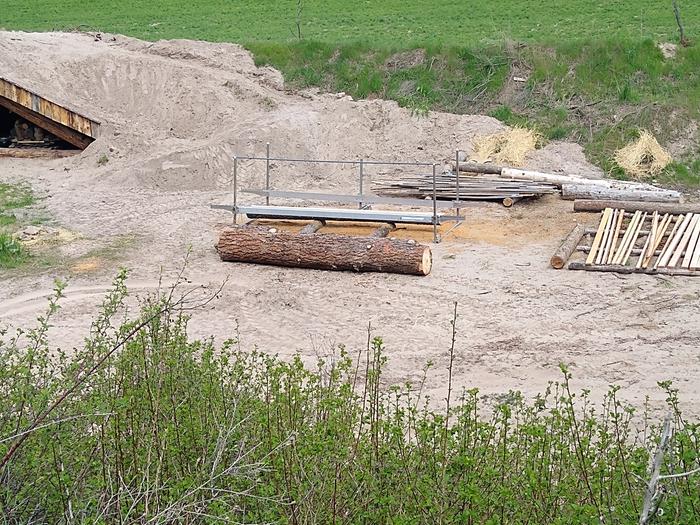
(174,112)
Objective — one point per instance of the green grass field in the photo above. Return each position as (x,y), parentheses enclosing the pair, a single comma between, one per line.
(595,73)
(376,23)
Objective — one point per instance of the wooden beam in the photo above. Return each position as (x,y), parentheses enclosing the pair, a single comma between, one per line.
(649,207)
(616,268)
(33,153)
(63,132)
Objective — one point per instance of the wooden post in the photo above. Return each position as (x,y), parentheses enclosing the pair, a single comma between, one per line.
(561,256)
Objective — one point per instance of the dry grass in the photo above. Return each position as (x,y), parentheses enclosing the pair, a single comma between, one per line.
(643,157)
(509,147)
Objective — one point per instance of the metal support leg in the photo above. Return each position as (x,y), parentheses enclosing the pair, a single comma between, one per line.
(235,190)
(267,175)
(457,180)
(362,176)
(435,234)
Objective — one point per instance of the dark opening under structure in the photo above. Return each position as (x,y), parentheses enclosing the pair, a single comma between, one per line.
(30,121)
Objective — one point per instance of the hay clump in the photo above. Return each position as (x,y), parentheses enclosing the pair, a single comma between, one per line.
(643,157)
(509,147)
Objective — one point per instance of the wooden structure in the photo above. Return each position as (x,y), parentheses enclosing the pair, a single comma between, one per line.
(260,245)
(68,125)
(643,242)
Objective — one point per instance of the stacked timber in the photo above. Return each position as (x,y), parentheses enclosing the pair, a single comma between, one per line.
(654,242)
(449,186)
(471,181)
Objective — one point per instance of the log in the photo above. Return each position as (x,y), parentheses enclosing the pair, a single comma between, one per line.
(649,207)
(567,247)
(616,268)
(560,180)
(474,167)
(591,192)
(383,230)
(253,244)
(312,227)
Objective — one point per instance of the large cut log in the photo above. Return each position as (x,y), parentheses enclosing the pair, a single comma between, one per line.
(649,207)
(587,191)
(567,247)
(260,245)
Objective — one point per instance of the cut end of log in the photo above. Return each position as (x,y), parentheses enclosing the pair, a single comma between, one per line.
(427,262)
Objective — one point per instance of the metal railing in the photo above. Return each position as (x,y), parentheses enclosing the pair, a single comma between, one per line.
(361,163)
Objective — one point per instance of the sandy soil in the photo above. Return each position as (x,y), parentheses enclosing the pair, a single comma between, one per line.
(173,113)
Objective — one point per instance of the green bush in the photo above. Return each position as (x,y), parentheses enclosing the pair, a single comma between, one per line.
(144,425)
(12,253)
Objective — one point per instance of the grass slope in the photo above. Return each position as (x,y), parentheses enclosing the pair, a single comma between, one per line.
(594,72)
(390,22)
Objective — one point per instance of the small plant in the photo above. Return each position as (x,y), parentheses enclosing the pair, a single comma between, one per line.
(12,253)
(102,160)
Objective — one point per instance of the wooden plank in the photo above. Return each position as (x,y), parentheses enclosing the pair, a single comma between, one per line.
(672,243)
(63,132)
(690,250)
(695,261)
(599,236)
(658,238)
(633,239)
(51,110)
(32,153)
(629,232)
(605,243)
(613,245)
(671,235)
(650,242)
(684,240)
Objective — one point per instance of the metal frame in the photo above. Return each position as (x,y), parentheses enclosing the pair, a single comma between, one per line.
(364,201)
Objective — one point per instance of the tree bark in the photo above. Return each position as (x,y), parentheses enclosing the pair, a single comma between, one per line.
(567,247)
(631,206)
(258,245)
(586,191)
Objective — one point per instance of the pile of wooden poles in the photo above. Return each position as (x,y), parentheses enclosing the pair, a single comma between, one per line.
(471,181)
(643,242)
(448,186)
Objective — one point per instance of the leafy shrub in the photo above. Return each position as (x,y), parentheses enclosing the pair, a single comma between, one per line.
(11,251)
(144,425)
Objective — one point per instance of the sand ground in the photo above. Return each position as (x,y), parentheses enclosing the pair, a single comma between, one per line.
(173,113)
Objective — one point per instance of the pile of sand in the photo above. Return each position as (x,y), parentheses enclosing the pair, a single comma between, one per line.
(509,147)
(174,113)
(643,157)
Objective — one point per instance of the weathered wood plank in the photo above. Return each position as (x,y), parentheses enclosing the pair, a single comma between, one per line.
(48,109)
